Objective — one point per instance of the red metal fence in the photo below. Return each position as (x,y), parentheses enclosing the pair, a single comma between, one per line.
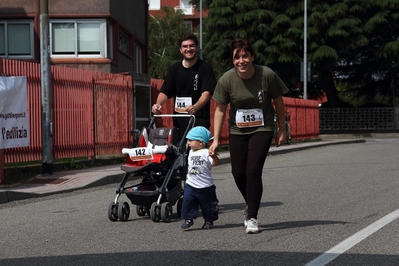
(304,115)
(92,112)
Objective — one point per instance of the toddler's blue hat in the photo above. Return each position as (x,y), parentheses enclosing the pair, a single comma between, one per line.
(199,133)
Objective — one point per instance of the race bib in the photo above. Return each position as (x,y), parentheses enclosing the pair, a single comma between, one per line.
(139,154)
(249,118)
(182,103)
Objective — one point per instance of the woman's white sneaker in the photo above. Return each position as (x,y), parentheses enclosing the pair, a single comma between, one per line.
(246,217)
(252,226)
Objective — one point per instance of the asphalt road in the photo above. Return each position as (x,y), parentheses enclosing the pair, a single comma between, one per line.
(335,205)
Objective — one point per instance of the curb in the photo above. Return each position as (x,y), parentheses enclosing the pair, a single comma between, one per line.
(315,145)
(9,196)
(299,147)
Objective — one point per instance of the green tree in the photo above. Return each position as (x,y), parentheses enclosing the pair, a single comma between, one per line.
(333,29)
(341,36)
(372,68)
(164,32)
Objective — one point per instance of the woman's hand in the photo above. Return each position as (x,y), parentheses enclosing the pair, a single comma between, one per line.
(212,149)
(280,139)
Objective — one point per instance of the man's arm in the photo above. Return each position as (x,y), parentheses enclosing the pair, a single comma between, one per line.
(161,99)
(208,82)
(205,97)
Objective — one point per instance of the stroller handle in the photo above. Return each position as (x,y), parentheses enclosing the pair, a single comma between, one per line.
(190,125)
(174,115)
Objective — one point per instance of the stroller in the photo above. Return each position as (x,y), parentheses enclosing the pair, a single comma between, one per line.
(158,163)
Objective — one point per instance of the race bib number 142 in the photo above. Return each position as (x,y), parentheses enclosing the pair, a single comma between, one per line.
(139,154)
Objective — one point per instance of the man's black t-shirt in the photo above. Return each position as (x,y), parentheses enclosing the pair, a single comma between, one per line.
(190,82)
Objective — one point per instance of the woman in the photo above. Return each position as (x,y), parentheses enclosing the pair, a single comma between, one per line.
(250,90)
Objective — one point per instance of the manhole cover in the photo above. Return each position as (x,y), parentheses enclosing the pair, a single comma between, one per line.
(47,181)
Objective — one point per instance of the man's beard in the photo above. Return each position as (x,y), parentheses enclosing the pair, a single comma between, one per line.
(190,58)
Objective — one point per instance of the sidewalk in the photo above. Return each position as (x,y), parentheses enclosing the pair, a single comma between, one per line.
(68,181)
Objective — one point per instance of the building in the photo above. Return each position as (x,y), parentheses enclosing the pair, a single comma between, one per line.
(100,35)
(192,14)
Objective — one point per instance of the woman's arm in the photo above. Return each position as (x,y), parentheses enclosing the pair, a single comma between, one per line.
(280,110)
(219,114)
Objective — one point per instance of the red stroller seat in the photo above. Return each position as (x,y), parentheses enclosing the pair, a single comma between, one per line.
(159,140)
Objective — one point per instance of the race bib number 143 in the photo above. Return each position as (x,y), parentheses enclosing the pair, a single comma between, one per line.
(249,118)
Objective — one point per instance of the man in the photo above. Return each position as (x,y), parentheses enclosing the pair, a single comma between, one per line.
(191,82)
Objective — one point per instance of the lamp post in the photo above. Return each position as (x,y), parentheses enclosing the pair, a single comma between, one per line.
(305,61)
(200,30)
(45,71)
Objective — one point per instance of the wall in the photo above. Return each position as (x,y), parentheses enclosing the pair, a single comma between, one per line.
(131,16)
(79,7)
(15,7)
(134,20)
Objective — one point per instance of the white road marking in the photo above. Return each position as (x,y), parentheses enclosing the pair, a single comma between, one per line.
(348,243)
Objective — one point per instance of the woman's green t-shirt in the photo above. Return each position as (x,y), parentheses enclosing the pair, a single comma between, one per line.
(255,92)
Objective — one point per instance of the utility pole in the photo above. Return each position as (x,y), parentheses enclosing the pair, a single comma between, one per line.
(45,71)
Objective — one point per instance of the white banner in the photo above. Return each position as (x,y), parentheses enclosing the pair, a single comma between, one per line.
(14,119)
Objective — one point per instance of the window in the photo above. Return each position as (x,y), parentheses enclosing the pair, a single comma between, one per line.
(154,4)
(79,38)
(186,7)
(138,67)
(16,39)
(123,43)
(187,25)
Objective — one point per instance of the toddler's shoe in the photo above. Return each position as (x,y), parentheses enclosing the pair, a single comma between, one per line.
(207,225)
(187,224)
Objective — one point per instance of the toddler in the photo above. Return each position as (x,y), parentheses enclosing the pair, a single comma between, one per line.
(199,188)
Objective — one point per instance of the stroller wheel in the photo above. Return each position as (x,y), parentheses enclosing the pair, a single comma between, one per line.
(113,211)
(166,212)
(141,210)
(155,212)
(124,212)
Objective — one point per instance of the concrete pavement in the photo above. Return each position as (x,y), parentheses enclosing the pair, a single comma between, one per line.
(67,181)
